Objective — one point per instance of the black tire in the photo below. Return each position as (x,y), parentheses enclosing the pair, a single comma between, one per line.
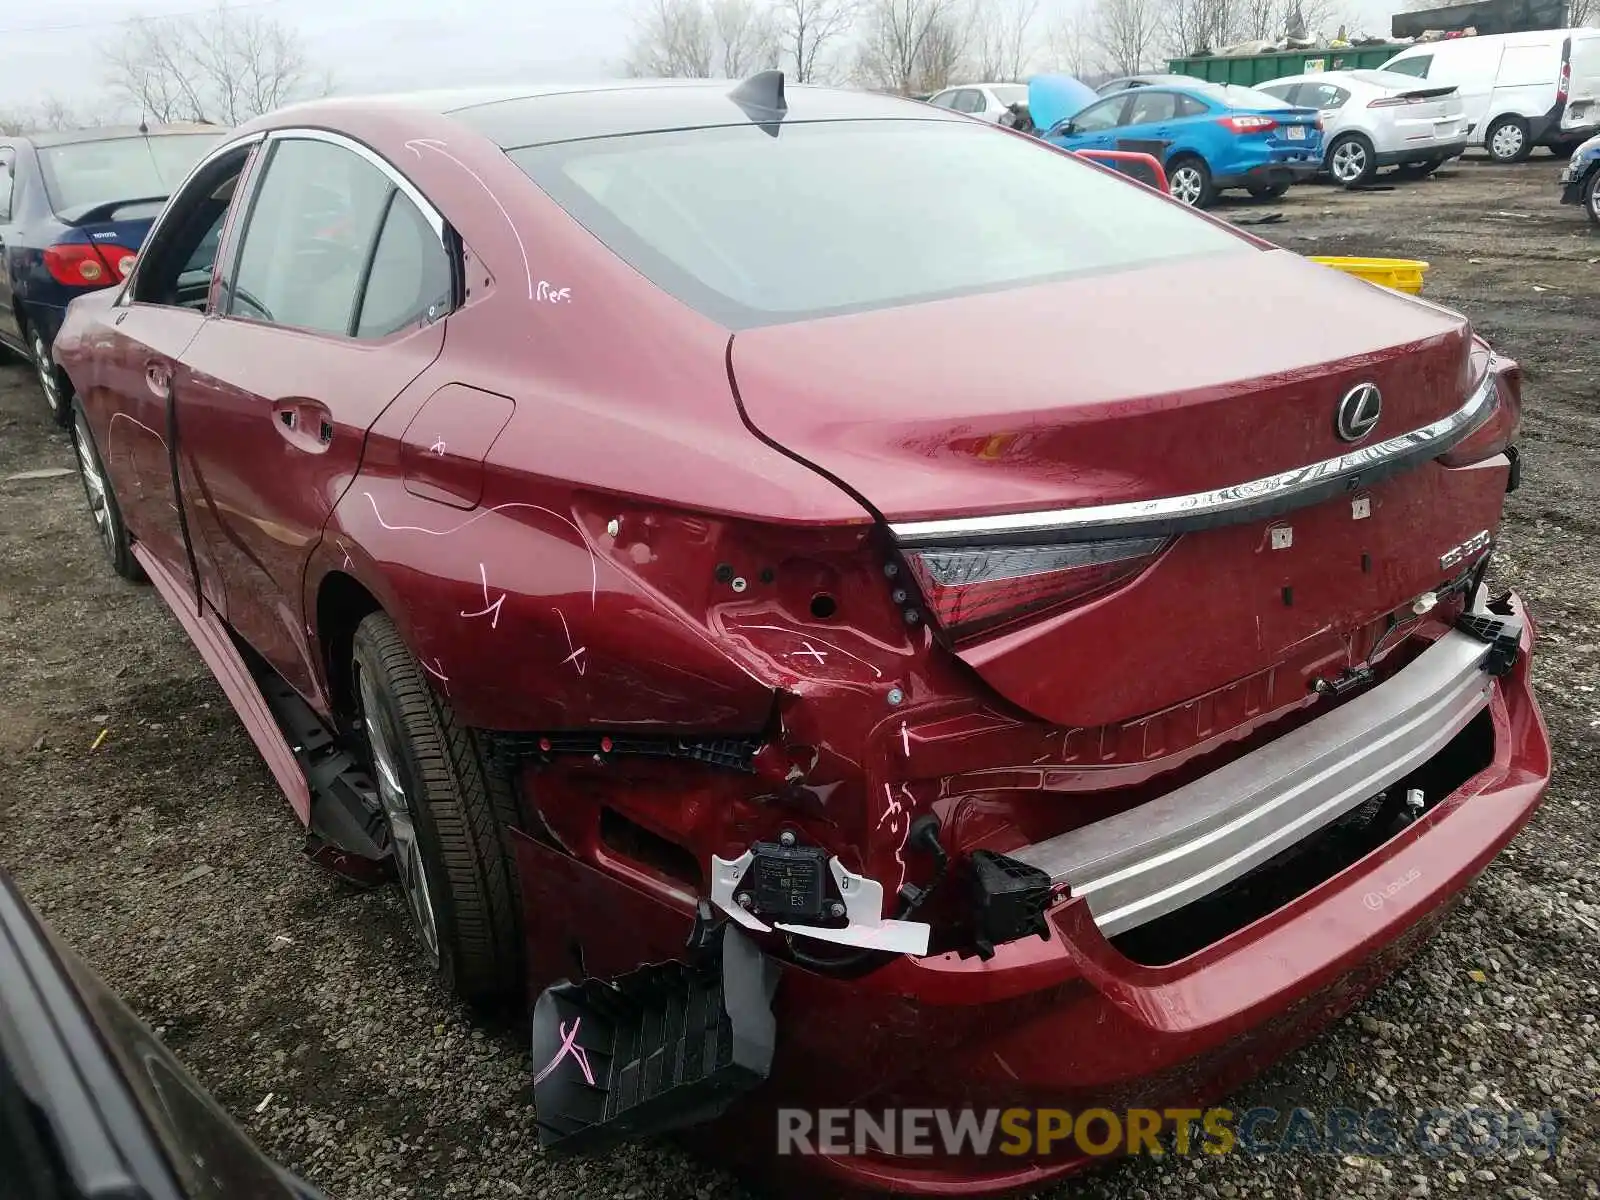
(1267,191)
(53,381)
(103,506)
(1197,190)
(462,807)
(1591,196)
(1512,136)
(1418,170)
(1351,161)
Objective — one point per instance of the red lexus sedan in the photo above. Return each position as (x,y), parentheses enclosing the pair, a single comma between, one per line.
(846,605)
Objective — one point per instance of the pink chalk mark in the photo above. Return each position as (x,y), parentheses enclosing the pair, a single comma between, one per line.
(905,739)
(829,645)
(576,658)
(488,608)
(812,652)
(569,1046)
(437,448)
(594,570)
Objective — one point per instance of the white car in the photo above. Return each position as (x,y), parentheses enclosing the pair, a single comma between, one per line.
(1521,90)
(1373,119)
(986,101)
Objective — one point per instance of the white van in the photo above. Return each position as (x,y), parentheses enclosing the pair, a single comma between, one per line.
(1520,90)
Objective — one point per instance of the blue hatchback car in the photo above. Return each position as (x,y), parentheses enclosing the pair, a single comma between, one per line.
(74,208)
(1208,136)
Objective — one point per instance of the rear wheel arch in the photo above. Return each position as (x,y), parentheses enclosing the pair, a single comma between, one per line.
(342,603)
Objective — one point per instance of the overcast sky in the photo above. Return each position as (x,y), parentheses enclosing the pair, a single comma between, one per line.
(375,45)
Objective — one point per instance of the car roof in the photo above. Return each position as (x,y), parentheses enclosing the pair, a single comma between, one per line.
(515,117)
(106,133)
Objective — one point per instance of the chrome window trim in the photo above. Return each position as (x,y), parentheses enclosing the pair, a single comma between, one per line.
(433,216)
(1249,501)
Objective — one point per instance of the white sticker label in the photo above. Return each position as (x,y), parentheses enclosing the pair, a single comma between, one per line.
(1282,537)
(1361,508)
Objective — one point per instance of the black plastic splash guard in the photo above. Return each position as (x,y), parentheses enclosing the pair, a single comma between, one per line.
(662,1047)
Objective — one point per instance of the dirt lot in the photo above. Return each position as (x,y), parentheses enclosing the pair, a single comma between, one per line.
(168,859)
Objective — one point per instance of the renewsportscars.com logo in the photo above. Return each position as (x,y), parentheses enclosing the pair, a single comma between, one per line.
(1041,1132)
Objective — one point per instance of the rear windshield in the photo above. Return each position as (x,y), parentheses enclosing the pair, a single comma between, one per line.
(842,216)
(1241,97)
(129,168)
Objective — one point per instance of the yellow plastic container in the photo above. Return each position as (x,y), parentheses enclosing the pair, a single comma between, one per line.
(1401,274)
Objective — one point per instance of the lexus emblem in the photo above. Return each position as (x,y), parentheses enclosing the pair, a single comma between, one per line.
(1358,412)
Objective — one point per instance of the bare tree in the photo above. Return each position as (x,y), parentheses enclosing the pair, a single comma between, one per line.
(672,39)
(1124,32)
(806,28)
(908,45)
(746,36)
(224,66)
(1071,45)
(1189,26)
(1002,41)
(48,116)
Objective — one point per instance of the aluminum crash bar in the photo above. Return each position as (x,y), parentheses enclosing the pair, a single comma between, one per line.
(1150,860)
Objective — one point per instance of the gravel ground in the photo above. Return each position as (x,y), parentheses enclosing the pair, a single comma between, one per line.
(168,859)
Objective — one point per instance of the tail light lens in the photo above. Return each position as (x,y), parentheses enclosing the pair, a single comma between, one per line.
(972,591)
(1502,426)
(1388,102)
(1238,124)
(79,264)
(1565,81)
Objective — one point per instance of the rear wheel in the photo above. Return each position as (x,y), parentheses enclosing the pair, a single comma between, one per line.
(1508,140)
(1351,160)
(1591,195)
(1267,191)
(1189,181)
(52,380)
(102,500)
(449,809)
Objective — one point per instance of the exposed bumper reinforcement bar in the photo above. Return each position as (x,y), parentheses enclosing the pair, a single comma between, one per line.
(1150,860)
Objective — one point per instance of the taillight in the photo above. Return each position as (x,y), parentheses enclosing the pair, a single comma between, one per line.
(1317,121)
(973,590)
(123,261)
(1500,429)
(1238,124)
(1565,81)
(1388,102)
(78,264)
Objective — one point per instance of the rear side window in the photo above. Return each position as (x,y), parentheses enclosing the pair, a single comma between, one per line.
(410,278)
(7,165)
(310,230)
(1188,106)
(1417,65)
(1325,96)
(829,217)
(79,174)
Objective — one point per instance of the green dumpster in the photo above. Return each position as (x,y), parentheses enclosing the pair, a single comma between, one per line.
(1247,70)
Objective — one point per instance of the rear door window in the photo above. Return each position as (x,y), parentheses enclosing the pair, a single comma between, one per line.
(1150,106)
(308,237)
(410,279)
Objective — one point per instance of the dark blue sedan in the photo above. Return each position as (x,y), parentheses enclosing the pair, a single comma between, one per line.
(74,208)
(1580,182)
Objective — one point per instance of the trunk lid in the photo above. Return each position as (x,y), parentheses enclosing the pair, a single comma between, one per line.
(1138,386)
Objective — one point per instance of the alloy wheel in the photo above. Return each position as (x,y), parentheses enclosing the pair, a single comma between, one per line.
(1349,161)
(1507,141)
(402,823)
(47,375)
(94,483)
(1185,185)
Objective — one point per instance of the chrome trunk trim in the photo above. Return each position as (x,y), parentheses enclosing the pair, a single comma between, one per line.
(1249,501)
(1150,860)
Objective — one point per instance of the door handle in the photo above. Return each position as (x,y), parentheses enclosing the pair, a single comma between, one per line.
(158,378)
(304,424)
